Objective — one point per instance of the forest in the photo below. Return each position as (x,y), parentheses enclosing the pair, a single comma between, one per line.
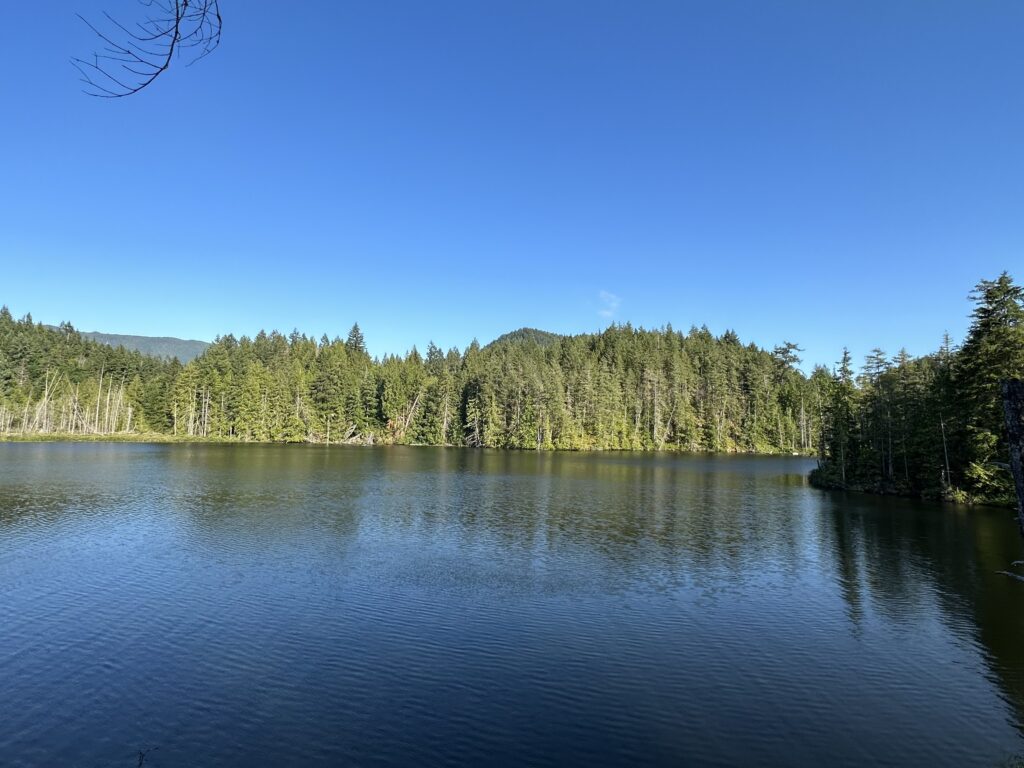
(930,426)
(927,426)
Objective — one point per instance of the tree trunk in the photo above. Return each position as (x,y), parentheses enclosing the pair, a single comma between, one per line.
(1013,408)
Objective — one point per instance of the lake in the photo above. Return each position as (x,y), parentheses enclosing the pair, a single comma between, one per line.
(237,605)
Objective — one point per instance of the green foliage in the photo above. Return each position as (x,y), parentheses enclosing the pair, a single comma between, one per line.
(625,388)
(355,342)
(527,336)
(930,426)
(55,380)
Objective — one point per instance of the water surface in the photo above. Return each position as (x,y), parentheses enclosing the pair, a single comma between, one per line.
(302,605)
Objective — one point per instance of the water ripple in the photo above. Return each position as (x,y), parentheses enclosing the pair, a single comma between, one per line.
(244,605)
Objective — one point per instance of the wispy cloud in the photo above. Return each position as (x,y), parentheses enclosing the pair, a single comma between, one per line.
(609,304)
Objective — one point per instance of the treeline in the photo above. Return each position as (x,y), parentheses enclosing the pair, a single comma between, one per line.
(930,426)
(922,426)
(54,381)
(625,388)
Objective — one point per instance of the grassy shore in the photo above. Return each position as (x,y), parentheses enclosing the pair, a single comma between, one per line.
(121,437)
(161,437)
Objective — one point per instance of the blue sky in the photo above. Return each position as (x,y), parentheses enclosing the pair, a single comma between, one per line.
(834,173)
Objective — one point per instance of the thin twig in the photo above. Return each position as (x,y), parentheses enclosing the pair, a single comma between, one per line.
(139,54)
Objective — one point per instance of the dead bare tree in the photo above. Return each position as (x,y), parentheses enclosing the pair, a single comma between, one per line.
(1013,410)
(132,56)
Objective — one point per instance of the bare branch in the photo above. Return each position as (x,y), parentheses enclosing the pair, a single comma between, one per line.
(132,57)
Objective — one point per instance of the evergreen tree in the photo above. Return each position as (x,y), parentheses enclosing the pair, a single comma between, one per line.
(994,351)
(355,343)
(930,425)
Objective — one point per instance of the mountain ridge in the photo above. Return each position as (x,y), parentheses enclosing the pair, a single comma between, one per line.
(154,346)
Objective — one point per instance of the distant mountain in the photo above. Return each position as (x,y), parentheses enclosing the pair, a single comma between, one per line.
(155,346)
(528,336)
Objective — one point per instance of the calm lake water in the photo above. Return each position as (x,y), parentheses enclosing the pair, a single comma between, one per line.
(302,605)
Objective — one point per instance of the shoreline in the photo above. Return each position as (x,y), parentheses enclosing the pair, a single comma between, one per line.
(936,497)
(813,480)
(161,438)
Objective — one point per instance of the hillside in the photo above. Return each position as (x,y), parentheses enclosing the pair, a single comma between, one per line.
(154,346)
(532,335)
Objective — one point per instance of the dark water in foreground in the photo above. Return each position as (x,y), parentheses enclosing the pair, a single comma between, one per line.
(251,605)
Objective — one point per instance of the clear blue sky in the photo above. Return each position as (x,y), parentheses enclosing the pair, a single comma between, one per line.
(826,172)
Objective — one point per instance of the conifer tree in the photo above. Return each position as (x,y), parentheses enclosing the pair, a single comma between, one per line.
(355,343)
(993,351)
